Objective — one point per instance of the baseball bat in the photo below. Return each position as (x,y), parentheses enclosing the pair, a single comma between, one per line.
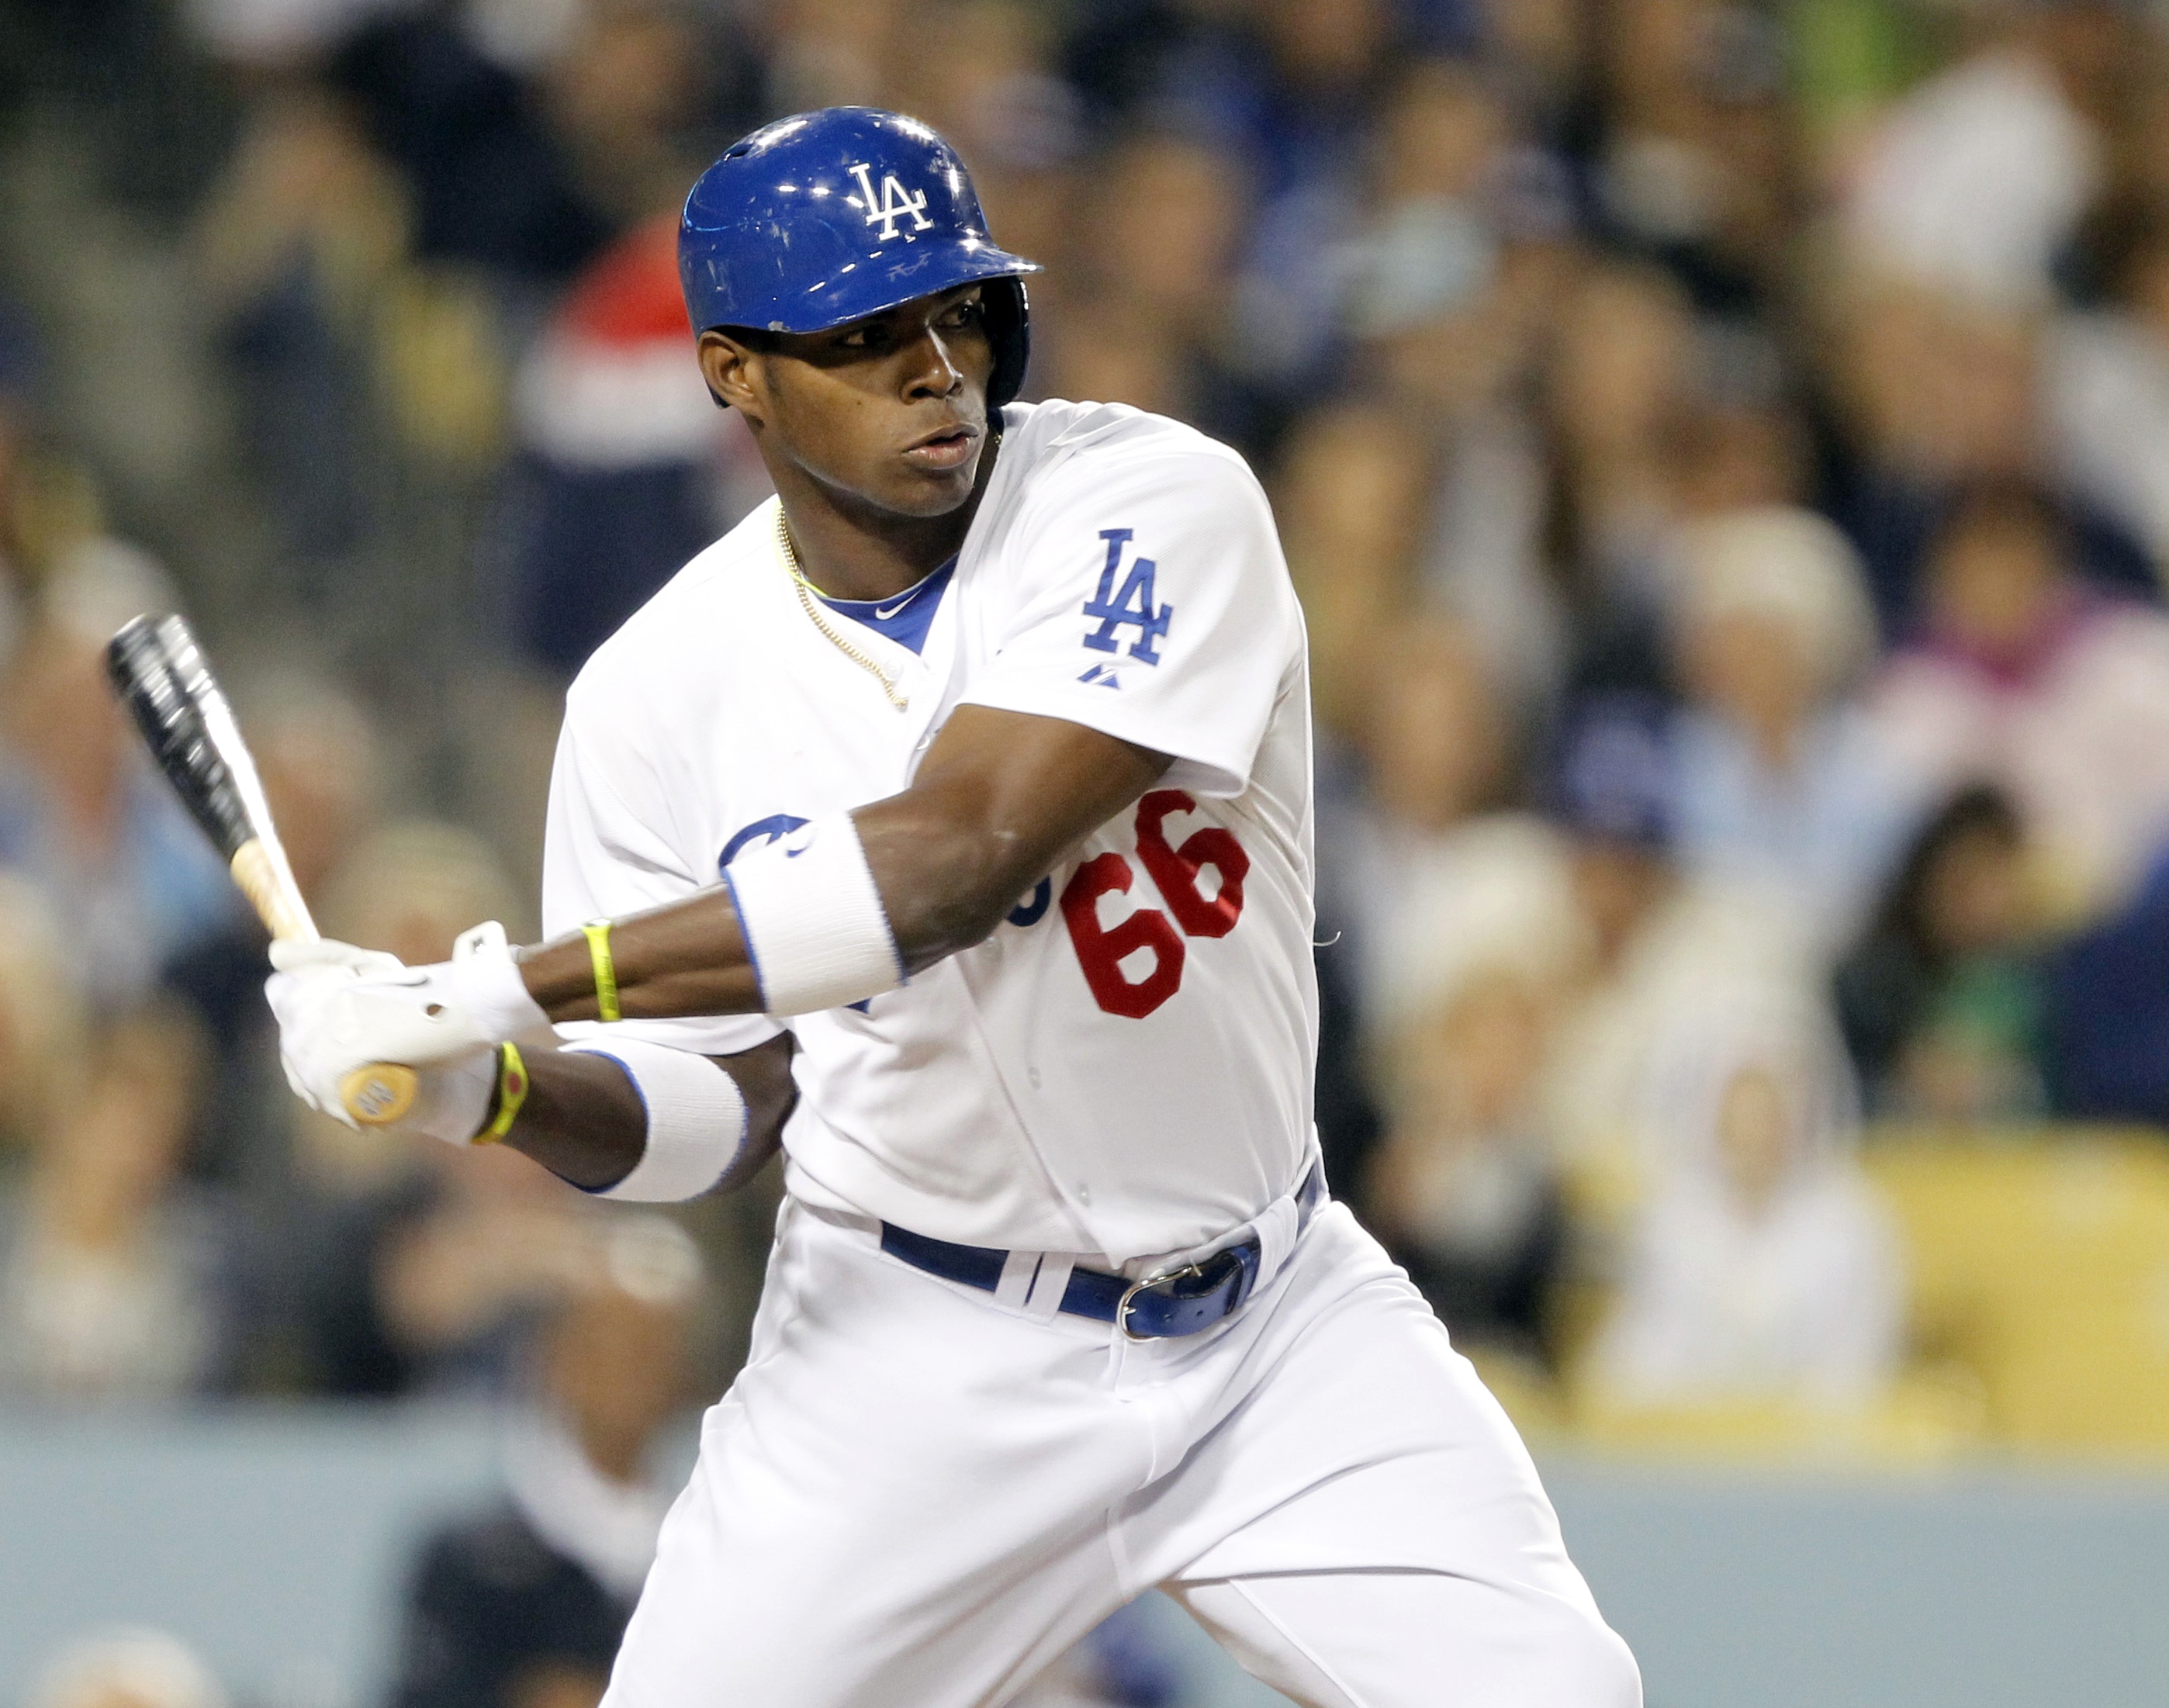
(162,677)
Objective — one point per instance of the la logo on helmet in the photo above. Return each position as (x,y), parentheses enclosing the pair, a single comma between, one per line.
(893,203)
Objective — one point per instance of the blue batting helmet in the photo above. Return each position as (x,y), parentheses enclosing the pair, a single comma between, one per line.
(827,217)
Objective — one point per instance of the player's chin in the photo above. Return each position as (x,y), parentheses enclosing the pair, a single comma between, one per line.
(925,487)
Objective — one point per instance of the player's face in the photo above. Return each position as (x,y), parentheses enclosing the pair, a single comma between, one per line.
(890,410)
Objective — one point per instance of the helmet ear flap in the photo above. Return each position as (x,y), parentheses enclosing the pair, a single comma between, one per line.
(1009,331)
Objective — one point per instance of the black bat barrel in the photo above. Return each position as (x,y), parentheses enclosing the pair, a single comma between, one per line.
(161,678)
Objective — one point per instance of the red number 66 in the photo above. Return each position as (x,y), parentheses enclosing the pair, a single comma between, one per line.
(1101,949)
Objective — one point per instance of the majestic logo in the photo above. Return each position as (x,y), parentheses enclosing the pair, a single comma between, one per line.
(893,203)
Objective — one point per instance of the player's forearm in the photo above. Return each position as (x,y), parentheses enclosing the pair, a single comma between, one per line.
(943,888)
(581,1121)
(584,1120)
(1000,799)
(688,958)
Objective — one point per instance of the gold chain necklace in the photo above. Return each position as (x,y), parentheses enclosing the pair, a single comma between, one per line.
(807,597)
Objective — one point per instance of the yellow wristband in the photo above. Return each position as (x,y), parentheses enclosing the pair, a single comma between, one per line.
(512,1088)
(597,932)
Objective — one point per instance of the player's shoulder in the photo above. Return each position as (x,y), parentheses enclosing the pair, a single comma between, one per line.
(692,623)
(1086,449)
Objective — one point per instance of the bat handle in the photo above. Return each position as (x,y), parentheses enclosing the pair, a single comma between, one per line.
(376,1095)
(381,1093)
(259,867)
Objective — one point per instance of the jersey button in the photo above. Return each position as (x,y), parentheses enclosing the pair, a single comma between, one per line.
(1084,1194)
(1032,1074)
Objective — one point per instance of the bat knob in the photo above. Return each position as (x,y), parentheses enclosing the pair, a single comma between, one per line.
(380,1094)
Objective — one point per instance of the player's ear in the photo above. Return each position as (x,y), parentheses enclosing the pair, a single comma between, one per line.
(730,365)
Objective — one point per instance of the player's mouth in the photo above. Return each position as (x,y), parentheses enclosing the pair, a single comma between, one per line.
(944,449)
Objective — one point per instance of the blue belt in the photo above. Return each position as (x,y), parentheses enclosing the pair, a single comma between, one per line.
(1182,1301)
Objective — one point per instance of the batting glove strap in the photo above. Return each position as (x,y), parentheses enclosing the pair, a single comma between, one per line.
(696,1120)
(813,922)
(484,979)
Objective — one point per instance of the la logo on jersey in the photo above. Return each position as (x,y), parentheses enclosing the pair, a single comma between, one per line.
(893,203)
(1130,608)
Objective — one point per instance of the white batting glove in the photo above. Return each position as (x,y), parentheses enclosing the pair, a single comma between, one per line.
(417,1015)
(340,1008)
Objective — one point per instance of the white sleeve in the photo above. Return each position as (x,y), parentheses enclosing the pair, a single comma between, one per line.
(607,853)
(1154,606)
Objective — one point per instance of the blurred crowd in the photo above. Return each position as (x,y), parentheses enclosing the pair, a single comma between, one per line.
(1722,447)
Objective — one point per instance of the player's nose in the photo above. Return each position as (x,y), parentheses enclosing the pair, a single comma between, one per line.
(935,371)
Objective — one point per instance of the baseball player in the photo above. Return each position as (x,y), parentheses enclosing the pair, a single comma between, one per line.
(949,822)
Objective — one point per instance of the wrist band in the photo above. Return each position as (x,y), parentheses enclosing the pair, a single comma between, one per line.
(696,1120)
(597,932)
(512,1088)
(815,928)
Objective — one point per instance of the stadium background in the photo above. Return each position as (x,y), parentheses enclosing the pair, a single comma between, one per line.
(1723,450)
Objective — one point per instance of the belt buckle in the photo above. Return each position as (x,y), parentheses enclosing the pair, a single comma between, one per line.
(1123,1305)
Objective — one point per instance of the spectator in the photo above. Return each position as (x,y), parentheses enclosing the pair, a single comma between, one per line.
(1621,369)
(1761,1268)
(81,813)
(1451,286)
(117,1284)
(1289,93)
(1464,1189)
(492,181)
(978,71)
(297,244)
(126,1670)
(1542,50)
(1657,939)
(471,1258)
(824,53)
(1936,392)
(2107,1015)
(1942,1001)
(1979,175)
(2025,677)
(1435,829)
(365,1212)
(523,1606)
(44,1035)
(627,468)
(1350,499)
(1746,450)
(1784,786)
(2105,377)
(1432,243)
(1183,201)
(1693,165)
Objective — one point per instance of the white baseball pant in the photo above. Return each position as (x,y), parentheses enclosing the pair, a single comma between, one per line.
(915,1496)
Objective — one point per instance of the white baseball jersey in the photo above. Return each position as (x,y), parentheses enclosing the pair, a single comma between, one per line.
(1123,1070)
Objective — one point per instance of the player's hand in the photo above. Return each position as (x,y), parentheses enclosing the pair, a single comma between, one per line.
(329,1024)
(296,955)
(414,1015)
(324,1011)
(340,1009)
(337,1014)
